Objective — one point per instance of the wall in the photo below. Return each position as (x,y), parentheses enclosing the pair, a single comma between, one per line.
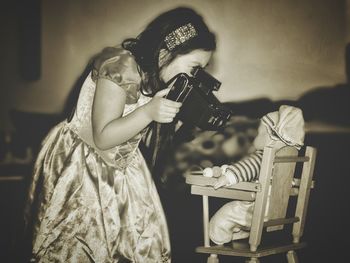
(273,48)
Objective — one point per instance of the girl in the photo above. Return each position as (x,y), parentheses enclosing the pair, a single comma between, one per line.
(92,198)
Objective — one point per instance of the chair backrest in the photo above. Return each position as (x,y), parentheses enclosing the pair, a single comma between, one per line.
(281,184)
(276,177)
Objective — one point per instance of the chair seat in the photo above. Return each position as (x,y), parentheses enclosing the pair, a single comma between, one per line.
(244,251)
(200,180)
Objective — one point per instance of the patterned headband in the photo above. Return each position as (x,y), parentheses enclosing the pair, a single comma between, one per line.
(180,35)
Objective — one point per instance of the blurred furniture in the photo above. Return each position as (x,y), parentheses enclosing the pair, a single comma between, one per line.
(320,127)
(18,150)
(277,182)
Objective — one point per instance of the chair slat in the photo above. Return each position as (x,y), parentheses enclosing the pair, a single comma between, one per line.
(281,221)
(304,193)
(261,198)
(296,183)
(223,193)
(281,186)
(291,159)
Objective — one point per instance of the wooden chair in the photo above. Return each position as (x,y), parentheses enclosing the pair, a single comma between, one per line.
(277,173)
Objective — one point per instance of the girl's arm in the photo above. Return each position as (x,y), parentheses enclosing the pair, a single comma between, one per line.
(110,128)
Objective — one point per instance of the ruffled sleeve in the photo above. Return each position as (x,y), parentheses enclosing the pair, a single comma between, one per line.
(119,66)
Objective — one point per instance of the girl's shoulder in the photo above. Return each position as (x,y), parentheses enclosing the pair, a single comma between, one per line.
(119,66)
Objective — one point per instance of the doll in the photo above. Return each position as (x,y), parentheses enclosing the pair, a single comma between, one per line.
(277,129)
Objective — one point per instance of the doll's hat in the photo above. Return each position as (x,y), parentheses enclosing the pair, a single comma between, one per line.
(287,125)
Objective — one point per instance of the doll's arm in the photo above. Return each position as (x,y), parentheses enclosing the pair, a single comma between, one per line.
(246,170)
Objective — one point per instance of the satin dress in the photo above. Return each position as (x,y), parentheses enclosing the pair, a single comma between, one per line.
(89,205)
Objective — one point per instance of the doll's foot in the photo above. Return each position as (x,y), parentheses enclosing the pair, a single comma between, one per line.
(241,234)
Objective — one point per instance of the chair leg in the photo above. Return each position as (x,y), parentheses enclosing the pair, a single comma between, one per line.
(252,260)
(292,257)
(213,258)
(253,247)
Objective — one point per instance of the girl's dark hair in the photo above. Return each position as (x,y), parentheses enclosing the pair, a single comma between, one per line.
(146,49)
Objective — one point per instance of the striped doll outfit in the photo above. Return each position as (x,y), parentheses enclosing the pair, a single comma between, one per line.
(246,170)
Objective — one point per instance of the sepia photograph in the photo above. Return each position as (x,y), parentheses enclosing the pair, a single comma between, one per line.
(183,131)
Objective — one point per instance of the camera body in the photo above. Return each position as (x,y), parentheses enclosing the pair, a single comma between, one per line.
(199,105)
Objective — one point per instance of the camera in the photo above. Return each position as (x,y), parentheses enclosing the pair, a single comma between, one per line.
(199,105)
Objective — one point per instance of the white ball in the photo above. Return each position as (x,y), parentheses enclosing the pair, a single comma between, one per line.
(208,172)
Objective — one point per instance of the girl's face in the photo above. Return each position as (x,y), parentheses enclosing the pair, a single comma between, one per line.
(185,64)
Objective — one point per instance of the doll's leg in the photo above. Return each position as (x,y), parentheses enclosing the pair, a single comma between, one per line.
(228,220)
(240,234)
(245,208)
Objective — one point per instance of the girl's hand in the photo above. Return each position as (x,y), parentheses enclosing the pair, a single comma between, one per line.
(222,181)
(160,109)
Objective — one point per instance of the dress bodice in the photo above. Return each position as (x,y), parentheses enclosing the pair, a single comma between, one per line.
(117,65)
